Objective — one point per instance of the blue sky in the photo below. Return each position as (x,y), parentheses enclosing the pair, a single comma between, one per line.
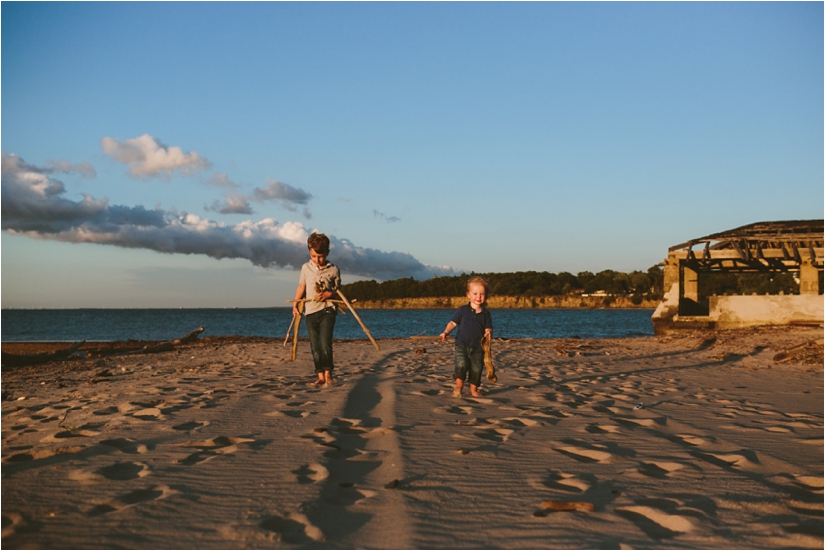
(177,154)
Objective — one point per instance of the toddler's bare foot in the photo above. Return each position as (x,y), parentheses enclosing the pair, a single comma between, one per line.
(474,391)
(319,382)
(457,393)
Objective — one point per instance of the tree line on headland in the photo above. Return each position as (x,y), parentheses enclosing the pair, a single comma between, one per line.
(607,288)
(636,286)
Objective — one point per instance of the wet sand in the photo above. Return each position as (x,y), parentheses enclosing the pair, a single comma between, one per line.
(699,440)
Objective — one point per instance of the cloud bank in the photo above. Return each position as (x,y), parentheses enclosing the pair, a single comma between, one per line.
(33,205)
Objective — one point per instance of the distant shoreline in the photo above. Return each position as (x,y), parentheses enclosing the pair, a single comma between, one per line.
(514,303)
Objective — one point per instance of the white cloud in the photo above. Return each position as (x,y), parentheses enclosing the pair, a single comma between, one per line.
(148,157)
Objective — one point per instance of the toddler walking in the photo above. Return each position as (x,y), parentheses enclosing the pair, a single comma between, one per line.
(474,322)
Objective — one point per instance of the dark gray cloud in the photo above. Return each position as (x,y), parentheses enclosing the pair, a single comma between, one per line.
(285,194)
(33,205)
(233,203)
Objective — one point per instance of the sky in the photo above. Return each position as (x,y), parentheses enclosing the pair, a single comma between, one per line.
(179,154)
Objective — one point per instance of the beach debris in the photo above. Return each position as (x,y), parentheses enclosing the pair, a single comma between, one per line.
(392,485)
(639,406)
(420,351)
(488,359)
(74,352)
(555,505)
(288,331)
(34,359)
(811,350)
(707,343)
(358,318)
(297,320)
(344,302)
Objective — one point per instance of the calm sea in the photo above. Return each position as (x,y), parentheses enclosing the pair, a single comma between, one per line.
(165,324)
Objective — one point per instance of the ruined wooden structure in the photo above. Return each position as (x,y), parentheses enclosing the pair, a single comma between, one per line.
(794,247)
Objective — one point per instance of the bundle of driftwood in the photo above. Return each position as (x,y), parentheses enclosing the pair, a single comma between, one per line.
(74,351)
(344,304)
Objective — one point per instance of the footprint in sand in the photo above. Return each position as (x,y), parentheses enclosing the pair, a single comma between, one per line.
(585,455)
(147,414)
(815,482)
(656,523)
(294,528)
(12,522)
(293,413)
(124,471)
(34,455)
(433,392)
(594,428)
(191,425)
(111,410)
(153,493)
(691,439)
(520,421)
(117,471)
(457,410)
(495,435)
(126,445)
(214,447)
(659,469)
(643,422)
(314,472)
(565,482)
(744,459)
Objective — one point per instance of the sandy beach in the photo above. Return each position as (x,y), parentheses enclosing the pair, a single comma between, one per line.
(698,440)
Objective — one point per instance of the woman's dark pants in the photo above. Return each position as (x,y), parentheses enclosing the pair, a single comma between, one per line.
(320,326)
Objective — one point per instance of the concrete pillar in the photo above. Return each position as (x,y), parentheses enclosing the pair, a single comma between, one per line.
(808,279)
(670,273)
(689,283)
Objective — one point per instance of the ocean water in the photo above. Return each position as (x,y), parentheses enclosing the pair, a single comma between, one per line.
(165,324)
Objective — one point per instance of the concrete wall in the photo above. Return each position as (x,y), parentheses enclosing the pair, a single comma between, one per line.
(744,311)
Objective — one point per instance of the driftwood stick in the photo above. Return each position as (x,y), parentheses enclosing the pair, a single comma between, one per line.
(289,331)
(488,359)
(189,337)
(340,303)
(295,338)
(34,359)
(358,318)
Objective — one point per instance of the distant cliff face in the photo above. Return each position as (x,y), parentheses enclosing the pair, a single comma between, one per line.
(563,301)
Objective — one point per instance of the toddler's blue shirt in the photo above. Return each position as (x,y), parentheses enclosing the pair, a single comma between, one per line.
(471,326)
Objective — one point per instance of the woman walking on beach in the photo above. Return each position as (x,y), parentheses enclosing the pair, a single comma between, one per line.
(318,282)
(474,323)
